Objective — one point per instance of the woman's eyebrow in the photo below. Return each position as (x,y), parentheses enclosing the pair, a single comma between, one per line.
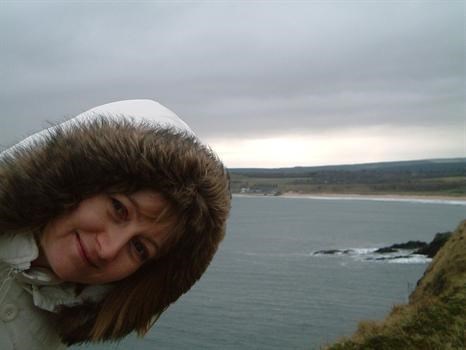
(138,214)
(135,204)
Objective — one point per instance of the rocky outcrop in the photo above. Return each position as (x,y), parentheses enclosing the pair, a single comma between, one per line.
(418,247)
(433,247)
(405,250)
(410,245)
(333,251)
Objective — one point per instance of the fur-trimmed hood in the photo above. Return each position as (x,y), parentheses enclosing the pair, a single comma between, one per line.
(122,147)
(130,144)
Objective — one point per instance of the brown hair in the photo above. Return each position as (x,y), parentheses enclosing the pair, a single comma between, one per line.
(93,157)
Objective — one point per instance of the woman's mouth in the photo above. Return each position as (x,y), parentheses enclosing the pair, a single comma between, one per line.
(83,253)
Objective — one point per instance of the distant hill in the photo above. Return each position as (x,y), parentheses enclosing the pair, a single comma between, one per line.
(423,165)
(431,176)
(435,317)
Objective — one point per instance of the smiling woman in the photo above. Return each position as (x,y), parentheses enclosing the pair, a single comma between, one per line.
(105,220)
(104,239)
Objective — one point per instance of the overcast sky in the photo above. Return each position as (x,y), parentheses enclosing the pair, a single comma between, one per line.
(265,83)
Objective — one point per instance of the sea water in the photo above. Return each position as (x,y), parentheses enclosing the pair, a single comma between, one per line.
(266,289)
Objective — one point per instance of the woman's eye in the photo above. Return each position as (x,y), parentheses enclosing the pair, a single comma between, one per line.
(140,249)
(119,209)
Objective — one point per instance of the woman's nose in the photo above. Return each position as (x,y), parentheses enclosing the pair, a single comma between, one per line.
(112,241)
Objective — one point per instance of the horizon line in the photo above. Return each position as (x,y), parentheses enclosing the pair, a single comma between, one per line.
(354,164)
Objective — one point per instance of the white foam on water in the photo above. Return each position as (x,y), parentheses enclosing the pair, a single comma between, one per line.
(362,251)
(402,256)
(412,259)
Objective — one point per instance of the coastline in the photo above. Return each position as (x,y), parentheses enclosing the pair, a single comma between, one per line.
(435,199)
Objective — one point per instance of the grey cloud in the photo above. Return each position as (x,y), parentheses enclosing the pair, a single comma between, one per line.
(234,68)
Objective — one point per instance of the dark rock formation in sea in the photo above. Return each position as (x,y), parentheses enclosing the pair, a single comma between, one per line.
(433,247)
(408,249)
(333,251)
(410,245)
(419,247)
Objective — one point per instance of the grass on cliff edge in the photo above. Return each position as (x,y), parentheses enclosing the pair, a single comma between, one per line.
(435,317)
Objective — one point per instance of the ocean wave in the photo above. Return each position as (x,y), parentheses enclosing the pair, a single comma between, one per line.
(356,254)
(412,259)
(369,255)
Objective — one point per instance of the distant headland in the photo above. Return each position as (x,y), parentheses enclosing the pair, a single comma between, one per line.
(431,178)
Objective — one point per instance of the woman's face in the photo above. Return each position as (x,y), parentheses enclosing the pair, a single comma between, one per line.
(106,238)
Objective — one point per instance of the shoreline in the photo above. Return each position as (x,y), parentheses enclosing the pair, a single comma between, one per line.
(461,200)
(388,195)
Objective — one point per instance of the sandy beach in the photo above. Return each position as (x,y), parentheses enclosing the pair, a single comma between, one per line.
(389,196)
(460,200)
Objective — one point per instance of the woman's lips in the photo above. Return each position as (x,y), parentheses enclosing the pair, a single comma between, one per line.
(83,253)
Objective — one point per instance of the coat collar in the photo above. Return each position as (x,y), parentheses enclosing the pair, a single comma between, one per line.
(47,290)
